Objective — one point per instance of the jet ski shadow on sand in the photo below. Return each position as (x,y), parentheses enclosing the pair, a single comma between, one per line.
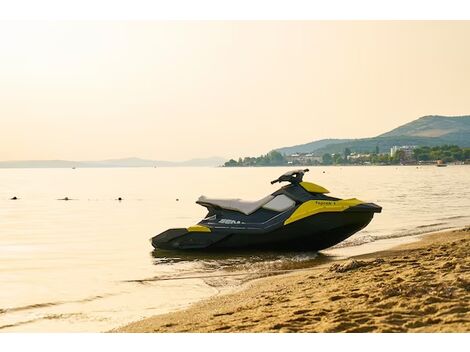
(298,217)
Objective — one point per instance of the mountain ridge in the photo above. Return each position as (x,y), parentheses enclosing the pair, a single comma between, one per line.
(430,130)
(431,126)
(112,163)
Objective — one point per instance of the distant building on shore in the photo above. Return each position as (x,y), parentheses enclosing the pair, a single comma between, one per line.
(406,149)
(356,156)
(303,159)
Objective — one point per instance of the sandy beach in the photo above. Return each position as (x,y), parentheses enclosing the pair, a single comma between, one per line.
(418,287)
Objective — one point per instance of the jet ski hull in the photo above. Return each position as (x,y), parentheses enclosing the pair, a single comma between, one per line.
(309,234)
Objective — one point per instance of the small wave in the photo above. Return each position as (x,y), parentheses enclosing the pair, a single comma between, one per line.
(418,230)
(192,277)
(430,225)
(454,217)
(267,264)
(46,317)
(19,323)
(29,306)
(283,262)
(49,304)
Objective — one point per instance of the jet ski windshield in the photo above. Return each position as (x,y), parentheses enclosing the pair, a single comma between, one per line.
(294,176)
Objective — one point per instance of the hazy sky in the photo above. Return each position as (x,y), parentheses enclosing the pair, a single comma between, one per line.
(178,90)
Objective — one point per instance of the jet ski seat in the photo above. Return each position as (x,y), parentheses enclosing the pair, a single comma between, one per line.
(243,206)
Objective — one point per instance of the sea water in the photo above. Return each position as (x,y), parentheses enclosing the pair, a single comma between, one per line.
(86,264)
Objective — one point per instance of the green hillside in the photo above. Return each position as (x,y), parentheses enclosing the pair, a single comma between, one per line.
(312,146)
(425,131)
(432,126)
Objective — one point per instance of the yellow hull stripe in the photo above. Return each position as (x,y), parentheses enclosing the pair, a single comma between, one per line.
(313,207)
(312,187)
(198,228)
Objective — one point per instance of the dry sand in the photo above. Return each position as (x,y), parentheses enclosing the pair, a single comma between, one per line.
(420,287)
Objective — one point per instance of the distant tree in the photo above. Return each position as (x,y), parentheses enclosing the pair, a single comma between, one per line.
(458,155)
(327,159)
(466,153)
(275,158)
(230,163)
(399,156)
(384,158)
(346,153)
(422,156)
(447,153)
(337,159)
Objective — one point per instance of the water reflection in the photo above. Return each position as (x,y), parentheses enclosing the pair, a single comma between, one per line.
(229,259)
(238,266)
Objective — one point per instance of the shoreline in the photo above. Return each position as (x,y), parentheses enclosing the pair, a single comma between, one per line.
(422,286)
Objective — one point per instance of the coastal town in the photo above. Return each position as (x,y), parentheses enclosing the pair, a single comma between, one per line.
(398,155)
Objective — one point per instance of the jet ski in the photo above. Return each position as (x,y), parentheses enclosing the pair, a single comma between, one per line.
(299,216)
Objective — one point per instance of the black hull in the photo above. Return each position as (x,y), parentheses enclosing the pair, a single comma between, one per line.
(309,234)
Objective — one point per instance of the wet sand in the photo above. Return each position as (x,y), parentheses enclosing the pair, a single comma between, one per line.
(419,287)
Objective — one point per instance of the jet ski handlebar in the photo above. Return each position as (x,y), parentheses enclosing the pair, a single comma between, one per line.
(294,176)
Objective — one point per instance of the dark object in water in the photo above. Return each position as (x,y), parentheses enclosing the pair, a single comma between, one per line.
(14,198)
(296,217)
(65,198)
(119,199)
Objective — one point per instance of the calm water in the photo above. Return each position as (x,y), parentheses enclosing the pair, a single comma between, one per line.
(87,264)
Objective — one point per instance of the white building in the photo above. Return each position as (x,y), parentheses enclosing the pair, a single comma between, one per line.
(303,159)
(407,149)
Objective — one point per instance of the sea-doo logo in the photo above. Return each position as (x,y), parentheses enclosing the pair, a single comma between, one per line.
(229,222)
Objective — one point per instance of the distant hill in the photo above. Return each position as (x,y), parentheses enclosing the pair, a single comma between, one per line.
(310,147)
(126,162)
(432,126)
(427,130)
